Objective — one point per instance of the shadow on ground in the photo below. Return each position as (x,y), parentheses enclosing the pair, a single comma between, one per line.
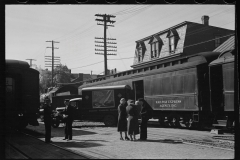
(77,144)
(163,141)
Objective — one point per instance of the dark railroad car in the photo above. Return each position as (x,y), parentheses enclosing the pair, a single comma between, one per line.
(101,103)
(177,89)
(22,94)
(222,87)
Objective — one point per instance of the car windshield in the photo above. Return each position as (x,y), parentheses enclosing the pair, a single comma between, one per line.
(73,103)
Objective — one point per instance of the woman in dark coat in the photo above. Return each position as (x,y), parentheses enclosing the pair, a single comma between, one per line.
(132,120)
(122,119)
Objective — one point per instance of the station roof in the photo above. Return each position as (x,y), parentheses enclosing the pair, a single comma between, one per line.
(228,45)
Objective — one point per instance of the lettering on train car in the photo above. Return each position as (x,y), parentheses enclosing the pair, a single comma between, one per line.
(168,103)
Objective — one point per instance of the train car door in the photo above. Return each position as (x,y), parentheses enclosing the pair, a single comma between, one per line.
(138,88)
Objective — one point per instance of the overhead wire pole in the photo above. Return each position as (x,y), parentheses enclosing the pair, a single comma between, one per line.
(105,20)
(52,56)
(31,61)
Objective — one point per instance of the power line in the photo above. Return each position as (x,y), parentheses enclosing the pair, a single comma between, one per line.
(87,65)
(183,47)
(203,29)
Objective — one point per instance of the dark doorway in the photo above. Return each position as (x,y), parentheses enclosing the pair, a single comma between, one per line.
(138,89)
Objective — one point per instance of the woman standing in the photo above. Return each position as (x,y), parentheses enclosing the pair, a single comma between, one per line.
(132,120)
(122,119)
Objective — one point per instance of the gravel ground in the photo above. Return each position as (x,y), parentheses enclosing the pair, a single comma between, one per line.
(103,142)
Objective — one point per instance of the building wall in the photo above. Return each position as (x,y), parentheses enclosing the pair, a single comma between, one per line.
(193,38)
(199,38)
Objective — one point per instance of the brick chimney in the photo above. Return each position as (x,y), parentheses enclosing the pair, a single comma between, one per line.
(205,20)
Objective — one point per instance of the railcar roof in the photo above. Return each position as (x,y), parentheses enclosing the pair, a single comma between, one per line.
(17,63)
(75,99)
(105,87)
(227,57)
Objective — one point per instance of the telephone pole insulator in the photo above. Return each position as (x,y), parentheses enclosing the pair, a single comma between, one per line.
(31,61)
(105,19)
(52,57)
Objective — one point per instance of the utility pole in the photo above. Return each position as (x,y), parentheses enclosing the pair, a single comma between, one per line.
(31,61)
(105,20)
(52,57)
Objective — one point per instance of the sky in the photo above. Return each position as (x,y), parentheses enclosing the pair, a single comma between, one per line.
(28,27)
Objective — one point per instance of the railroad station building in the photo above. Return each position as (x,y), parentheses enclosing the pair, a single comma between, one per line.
(184,39)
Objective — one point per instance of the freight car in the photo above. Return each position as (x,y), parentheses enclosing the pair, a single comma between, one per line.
(22,94)
(221,82)
(177,89)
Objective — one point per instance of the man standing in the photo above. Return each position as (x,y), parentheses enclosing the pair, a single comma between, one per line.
(68,117)
(47,120)
(145,115)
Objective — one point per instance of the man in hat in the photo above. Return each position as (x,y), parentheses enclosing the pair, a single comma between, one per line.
(68,118)
(47,119)
(145,115)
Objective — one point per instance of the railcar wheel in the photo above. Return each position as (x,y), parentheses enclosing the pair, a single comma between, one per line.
(167,122)
(42,118)
(109,120)
(182,122)
(189,123)
(176,123)
(173,120)
(161,121)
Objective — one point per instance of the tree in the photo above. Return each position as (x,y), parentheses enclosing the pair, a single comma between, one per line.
(44,79)
(61,75)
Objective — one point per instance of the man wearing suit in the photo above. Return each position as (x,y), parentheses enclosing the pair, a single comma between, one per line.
(68,112)
(145,115)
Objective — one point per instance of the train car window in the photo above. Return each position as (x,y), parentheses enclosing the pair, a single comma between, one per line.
(175,63)
(156,86)
(177,82)
(189,83)
(146,69)
(228,77)
(183,61)
(166,85)
(167,64)
(147,85)
(159,66)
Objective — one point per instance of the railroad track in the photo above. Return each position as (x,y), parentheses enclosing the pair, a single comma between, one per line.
(20,153)
(14,153)
(222,142)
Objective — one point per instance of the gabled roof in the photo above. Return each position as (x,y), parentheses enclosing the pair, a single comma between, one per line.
(227,45)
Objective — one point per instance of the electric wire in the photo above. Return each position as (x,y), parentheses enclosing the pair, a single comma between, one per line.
(217,13)
(161,52)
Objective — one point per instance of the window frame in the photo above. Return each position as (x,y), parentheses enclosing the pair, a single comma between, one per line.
(139,51)
(172,45)
(217,41)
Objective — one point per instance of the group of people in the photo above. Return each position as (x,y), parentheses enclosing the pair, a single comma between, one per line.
(128,115)
(128,119)
(68,119)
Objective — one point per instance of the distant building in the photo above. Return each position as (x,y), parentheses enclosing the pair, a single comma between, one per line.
(186,38)
(78,77)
